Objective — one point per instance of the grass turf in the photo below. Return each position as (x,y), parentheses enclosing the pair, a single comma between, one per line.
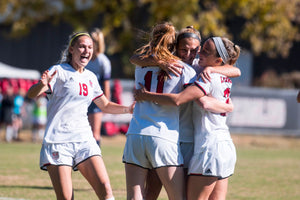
(267,168)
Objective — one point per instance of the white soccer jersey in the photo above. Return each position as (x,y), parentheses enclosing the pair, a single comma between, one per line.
(153,119)
(186,125)
(210,126)
(196,65)
(101,66)
(70,95)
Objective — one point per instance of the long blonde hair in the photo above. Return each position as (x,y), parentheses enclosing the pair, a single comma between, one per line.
(98,40)
(161,44)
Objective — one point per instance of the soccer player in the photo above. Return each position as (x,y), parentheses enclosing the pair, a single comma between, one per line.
(214,155)
(153,134)
(68,141)
(187,49)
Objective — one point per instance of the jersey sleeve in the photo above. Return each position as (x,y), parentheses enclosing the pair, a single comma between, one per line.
(97,91)
(106,68)
(188,75)
(53,81)
(205,87)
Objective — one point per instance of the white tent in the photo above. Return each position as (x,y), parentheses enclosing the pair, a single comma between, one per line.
(7,71)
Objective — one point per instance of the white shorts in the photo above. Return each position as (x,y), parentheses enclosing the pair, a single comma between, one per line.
(69,154)
(187,151)
(42,120)
(151,152)
(216,160)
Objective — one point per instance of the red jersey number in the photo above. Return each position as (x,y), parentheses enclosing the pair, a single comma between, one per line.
(226,95)
(83,89)
(160,81)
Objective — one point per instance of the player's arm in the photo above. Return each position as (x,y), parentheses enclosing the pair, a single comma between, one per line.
(227,70)
(298,97)
(42,86)
(191,93)
(169,67)
(215,106)
(110,107)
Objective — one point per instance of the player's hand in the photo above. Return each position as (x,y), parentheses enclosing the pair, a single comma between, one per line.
(46,77)
(230,104)
(171,67)
(131,107)
(205,74)
(140,93)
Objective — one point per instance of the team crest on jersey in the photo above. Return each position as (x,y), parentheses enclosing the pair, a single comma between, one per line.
(55,155)
(91,83)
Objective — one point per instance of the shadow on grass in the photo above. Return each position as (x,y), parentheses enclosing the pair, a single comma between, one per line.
(34,187)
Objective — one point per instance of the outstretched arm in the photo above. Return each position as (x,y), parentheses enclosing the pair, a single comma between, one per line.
(110,107)
(191,93)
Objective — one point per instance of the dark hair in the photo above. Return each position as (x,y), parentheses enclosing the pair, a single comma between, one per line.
(188,32)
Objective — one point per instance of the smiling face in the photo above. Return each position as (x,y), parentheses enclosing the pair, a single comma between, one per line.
(187,49)
(208,55)
(82,52)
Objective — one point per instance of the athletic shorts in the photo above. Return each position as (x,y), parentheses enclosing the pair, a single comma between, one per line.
(151,152)
(93,108)
(187,151)
(40,120)
(69,154)
(216,160)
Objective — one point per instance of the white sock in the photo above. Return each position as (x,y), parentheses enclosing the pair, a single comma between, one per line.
(111,198)
(41,134)
(9,133)
(34,135)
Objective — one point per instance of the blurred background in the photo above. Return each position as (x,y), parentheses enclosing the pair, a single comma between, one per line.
(33,33)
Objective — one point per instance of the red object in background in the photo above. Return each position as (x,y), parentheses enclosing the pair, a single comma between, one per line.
(117,91)
(123,128)
(22,84)
(4,85)
(14,84)
(110,128)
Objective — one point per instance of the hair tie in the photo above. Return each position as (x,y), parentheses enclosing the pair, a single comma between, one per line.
(188,35)
(77,35)
(221,49)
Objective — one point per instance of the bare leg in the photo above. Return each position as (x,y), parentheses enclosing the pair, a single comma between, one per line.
(220,190)
(172,179)
(93,169)
(95,120)
(153,185)
(61,181)
(135,181)
(200,187)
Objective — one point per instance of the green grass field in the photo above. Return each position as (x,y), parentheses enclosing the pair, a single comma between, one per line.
(266,169)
